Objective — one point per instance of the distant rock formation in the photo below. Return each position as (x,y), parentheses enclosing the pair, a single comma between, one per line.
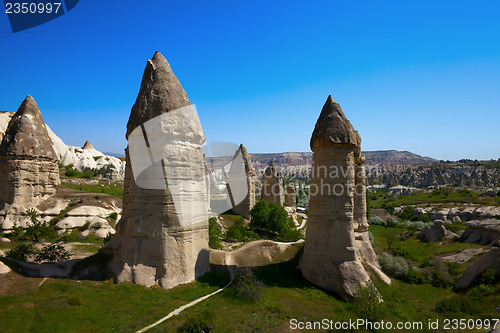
(272,187)
(28,163)
(243,208)
(157,241)
(290,199)
(482,232)
(337,244)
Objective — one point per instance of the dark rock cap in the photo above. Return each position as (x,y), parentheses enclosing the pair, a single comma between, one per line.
(333,128)
(88,145)
(26,134)
(272,171)
(160,92)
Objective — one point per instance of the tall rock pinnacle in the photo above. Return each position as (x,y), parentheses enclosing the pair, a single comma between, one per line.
(160,92)
(162,237)
(26,134)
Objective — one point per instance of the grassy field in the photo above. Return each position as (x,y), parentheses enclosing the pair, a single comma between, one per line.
(443,197)
(111,189)
(88,306)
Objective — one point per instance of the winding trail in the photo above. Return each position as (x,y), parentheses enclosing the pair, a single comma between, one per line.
(184,307)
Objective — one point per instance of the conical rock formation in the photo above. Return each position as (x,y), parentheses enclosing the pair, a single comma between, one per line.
(243,208)
(28,163)
(162,237)
(337,244)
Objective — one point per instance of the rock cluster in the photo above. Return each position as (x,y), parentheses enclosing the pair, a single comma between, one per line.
(158,240)
(272,187)
(28,163)
(482,232)
(243,208)
(337,243)
(489,260)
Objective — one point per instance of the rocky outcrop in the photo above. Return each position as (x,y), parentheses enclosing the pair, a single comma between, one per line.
(482,232)
(478,267)
(272,187)
(290,199)
(337,244)
(243,208)
(28,163)
(162,237)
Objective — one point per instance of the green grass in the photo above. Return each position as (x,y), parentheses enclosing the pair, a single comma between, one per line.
(85,306)
(111,189)
(418,251)
(386,200)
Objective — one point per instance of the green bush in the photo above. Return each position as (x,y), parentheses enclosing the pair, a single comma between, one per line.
(368,301)
(71,173)
(214,234)
(414,276)
(460,304)
(370,236)
(238,232)
(292,235)
(481,291)
(394,266)
(22,252)
(416,225)
(269,218)
(200,323)
(107,238)
(52,253)
(113,215)
(35,229)
(377,221)
(245,285)
(440,274)
(391,222)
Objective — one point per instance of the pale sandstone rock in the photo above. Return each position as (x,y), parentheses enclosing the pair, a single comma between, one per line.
(4,240)
(244,207)
(482,232)
(272,187)
(478,267)
(434,233)
(156,243)
(334,252)
(4,269)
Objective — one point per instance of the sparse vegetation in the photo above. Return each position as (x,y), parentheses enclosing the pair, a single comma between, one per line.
(215,234)
(103,187)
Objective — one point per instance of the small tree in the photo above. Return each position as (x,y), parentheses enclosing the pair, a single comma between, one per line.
(215,234)
(369,301)
(269,217)
(391,237)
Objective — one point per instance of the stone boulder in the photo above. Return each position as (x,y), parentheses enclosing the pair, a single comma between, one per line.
(489,260)
(482,232)
(434,233)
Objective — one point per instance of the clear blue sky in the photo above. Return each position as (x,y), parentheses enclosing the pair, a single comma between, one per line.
(422,76)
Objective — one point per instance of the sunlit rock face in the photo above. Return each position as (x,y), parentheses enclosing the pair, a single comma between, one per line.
(28,164)
(162,237)
(248,175)
(337,243)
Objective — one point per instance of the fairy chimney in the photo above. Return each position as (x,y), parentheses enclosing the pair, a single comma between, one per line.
(28,163)
(243,208)
(334,252)
(272,188)
(162,237)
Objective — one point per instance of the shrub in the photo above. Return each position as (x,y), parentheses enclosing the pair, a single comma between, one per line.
(84,227)
(368,301)
(246,285)
(480,291)
(215,234)
(488,277)
(391,222)
(22,252)
(394,266)
(35,229)
(239,233)
(391,237)
(113,215)
(107,238)
(414,276)
(52,253)
(292,235)
(370,236)
(269,217)
(200,323)
(460,304)
(416,225)
(376,221)
(71,173)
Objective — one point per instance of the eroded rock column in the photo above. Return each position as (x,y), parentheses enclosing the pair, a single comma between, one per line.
(272,187)
(162,237)
(331,259)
